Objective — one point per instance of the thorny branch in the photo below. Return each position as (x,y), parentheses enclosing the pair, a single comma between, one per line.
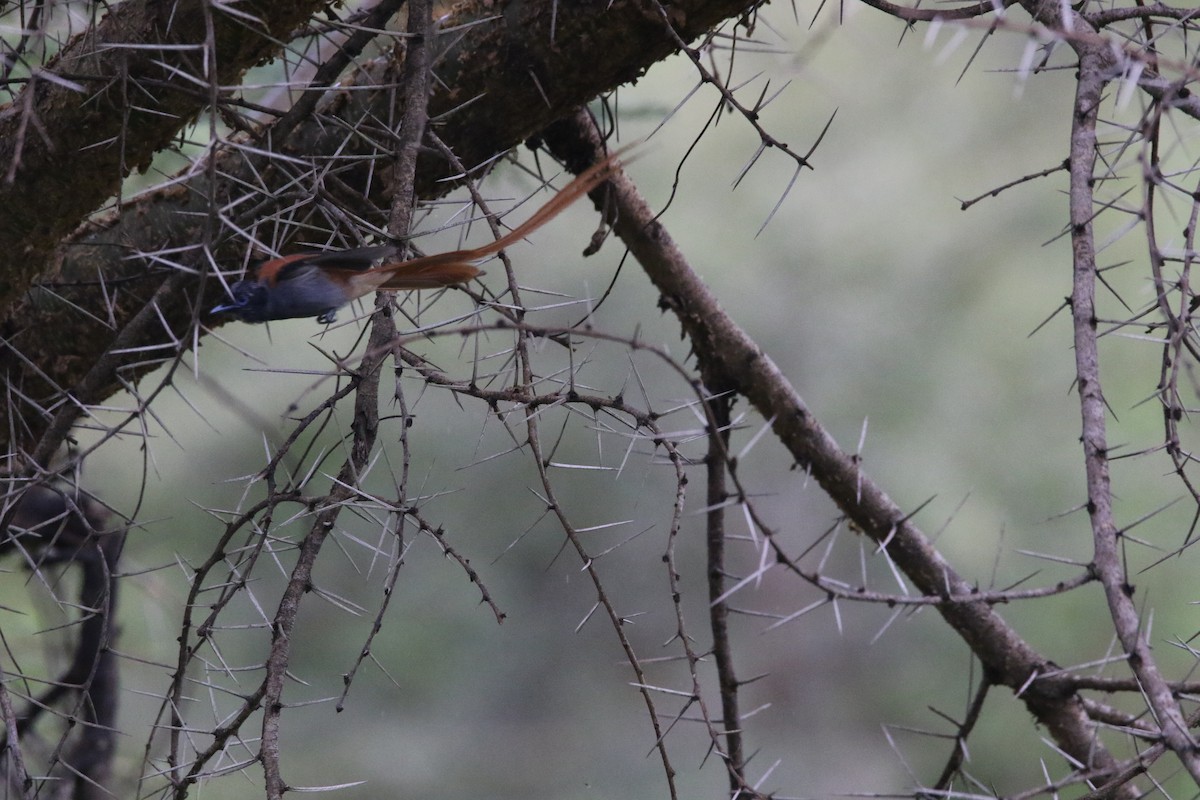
(728,357)
(1094,68)
(415,86)
(49,527)
(716,499)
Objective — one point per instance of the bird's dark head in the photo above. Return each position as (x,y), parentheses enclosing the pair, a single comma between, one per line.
(248,301)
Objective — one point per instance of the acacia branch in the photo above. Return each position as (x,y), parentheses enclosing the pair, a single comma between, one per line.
(727,357)
(1094,72)
(415,87)
(110,100)
(501,81)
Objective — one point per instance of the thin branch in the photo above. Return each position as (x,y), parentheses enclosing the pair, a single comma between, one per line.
(415,85)
(1094,73)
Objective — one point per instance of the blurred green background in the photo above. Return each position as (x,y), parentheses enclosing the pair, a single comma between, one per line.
(884,303)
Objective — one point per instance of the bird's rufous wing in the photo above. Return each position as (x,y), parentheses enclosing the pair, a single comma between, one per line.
(269,272)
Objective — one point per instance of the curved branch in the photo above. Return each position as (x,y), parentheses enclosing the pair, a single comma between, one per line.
(910,14)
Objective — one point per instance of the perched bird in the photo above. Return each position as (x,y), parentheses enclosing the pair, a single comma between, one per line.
(319,283)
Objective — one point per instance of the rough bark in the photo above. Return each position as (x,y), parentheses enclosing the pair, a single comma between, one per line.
(500,81)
